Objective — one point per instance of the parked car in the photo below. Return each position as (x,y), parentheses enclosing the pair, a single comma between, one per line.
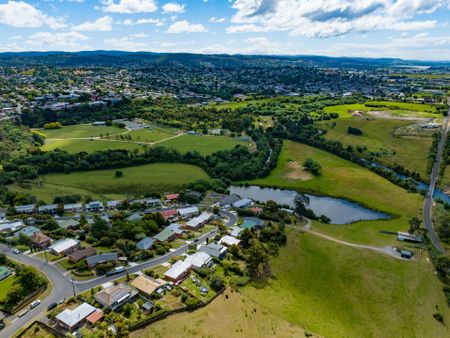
(16,251)
(116,270)
(35,303)
(51,306)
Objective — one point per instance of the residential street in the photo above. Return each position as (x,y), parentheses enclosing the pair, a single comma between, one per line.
(63,287)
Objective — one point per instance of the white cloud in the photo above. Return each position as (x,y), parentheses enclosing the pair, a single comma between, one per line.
(173,7)
(185,27)
(217,20)
(130,22)
(130,6)
(69,41)
(126,43)
(102,24)
(324,18)
(22,14)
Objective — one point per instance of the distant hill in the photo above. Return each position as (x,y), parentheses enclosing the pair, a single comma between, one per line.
(145,59)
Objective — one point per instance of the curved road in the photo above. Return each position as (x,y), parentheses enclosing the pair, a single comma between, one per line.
(428,203)
(63,287)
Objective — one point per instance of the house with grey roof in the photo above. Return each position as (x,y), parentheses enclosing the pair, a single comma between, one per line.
(214,250)
(48,209)
(25,209)
(102,258)
(169,233)
(145,243)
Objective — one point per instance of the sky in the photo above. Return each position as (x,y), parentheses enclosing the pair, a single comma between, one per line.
(409,29)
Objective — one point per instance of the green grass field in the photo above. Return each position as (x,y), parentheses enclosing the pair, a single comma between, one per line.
(151,135)
(75,146)
(136,180)
(338,291)
(6,285)
(379,135)
(78,131)
(341,178)
(205,145)
(445,180)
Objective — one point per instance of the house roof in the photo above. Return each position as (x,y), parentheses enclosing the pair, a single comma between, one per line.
(145,243)
(11,226)
(39,238)
(168,213)
(82,253)
(228,240)
(196,221)
(73,206)
(229,199)
(68,223)
(104,257)
(146,284)
(198,259)
(64,244)
(112,294)
(235,231)
(242,203)
(168,231)
(28,231)
(73,317)
(48,207)
(188,211)
(95,316)
(177,270)
(172,196)
(213,249)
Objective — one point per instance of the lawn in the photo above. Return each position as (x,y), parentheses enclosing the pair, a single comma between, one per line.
(338,291)
(341,178)
(80,131)
(5,285)
(151,135)
(445,180)
(229,315)
(89,146)
(205,145)
(160,177)
(37,330)
(379,135)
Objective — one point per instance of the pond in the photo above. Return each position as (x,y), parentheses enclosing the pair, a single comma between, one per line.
(338,210)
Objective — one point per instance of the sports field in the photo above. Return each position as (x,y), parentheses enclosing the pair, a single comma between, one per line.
(341,178)
(80,131)
(89,146)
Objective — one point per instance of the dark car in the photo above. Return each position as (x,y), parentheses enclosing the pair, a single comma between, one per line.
(51,306)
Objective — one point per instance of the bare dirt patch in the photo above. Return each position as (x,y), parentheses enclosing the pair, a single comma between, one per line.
(296,172)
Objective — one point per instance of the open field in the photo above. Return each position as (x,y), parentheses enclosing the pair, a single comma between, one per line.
(233,315)
(89,146)
(151,135)
(138,180)
(341,178)
(37,330)
(205,145)
(381,136)
(337,291)
(6,285)
(424,76)
(79,131)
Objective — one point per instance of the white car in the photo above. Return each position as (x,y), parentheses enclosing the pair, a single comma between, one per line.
(35,303)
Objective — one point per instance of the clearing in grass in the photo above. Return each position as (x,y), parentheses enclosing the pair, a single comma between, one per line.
(341,178)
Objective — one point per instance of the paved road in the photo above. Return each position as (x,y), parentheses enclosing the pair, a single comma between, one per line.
(63,287)
(428,203)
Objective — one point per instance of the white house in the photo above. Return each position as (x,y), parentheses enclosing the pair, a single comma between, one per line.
(199,221)
(64,246)
(71,319)
(188,212)
(229,240)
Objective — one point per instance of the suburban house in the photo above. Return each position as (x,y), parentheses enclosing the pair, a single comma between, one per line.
(229,240)
(11,226)
(172,197)
(64,246)
(72,319)
(214,250)
(199,221)
(113,204)
(25,209)
(39,240)
(4,272)
(102,258)
(68,223)
(135,217)
(245,202)
(146,285)
(188,212)
(94,206)
(74,207)
(407,237)
(48,209)
(149,202)
(170,214)
(228,200)
(115,296)
(169,233)
(28,231)
(78,255)
(145,243)
(198,260)
(178,271)
(236,231)
(256,210)
(95,317)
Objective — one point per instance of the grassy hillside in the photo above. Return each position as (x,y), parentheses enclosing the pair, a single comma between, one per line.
(342,178)
(337,291)
(203,144)
(229,315)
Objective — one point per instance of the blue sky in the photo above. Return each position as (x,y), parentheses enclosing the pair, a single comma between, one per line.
(412,29)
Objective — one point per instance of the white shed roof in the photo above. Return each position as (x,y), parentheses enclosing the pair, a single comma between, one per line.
(63,244)
(73,317)
(177,270)
(228,240)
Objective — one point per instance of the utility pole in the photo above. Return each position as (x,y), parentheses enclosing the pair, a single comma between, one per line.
(45,253)
(73,287)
